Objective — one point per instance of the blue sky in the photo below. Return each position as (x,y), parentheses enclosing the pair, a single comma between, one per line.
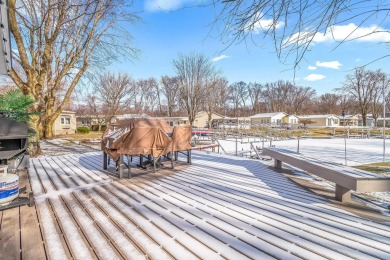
(165,34)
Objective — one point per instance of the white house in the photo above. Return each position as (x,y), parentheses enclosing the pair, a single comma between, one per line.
(268,118)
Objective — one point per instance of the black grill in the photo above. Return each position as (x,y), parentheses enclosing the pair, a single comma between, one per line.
(13,138)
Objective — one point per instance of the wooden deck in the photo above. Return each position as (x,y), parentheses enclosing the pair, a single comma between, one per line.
(218,207)
(20,230)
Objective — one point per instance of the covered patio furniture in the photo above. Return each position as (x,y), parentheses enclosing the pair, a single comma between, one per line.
(181,141)
(140,136)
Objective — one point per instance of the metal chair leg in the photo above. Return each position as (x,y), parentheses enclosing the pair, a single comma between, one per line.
(105,161)
(128,167)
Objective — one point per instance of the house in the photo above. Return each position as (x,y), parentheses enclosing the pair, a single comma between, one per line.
(93,122)
(126,116)
(275,118)
(175,120)
(370,121)
(65,123)
(327,120)
(290,120)
(202,119)
(349,120)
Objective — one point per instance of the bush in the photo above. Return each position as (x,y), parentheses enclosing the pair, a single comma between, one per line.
(95,128)
(83,130)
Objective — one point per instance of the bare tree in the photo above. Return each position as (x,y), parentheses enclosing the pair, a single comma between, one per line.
(223,96)
(377,94)
(147,98)
(169,86)
(361,85)
(238,96)
(58,41)
(254,93)
(328,104)
(196,74)
(213,100)
(294,24)
(114,92)
(301,99)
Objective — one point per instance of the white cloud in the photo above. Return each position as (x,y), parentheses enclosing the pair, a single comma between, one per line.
(220,57)
(311,67)
(358,59)
(164,5)
(329,64)
(340,33)
(265,24)
(314,77)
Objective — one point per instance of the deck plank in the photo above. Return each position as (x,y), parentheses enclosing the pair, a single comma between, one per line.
(10,234)
(218,207)
(32,244)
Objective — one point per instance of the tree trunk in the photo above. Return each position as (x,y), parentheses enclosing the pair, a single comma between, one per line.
(364,117)
(209,120)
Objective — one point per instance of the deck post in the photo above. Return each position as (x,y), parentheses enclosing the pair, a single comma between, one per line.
(342,194)
(277,164)
(120,166)
(104,161)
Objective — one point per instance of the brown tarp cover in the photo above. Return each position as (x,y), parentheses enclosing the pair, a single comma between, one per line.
(144,136)
(181,137)
(146,140)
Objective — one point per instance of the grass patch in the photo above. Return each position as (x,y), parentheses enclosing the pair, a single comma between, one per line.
(78,137)
(382,168)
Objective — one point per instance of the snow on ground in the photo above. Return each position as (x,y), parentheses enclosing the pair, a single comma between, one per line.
(359,151)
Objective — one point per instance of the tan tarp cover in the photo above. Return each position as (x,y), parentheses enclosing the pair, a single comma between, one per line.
(144,136)
(146,140)
(141,122)
(181,137)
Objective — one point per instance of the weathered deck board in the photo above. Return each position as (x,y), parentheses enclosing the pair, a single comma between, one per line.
(10,234)
(20,235)
(219,207)
(32,243)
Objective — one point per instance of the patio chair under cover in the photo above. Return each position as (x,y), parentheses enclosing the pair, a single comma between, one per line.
(181,137)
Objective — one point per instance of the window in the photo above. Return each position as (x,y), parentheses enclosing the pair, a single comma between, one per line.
(65,120)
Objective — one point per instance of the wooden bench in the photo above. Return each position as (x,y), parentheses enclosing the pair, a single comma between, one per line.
(346,178)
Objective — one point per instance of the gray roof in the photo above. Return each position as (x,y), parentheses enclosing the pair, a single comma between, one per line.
(316,116)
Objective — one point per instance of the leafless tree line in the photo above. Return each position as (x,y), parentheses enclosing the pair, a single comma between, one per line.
(188,93)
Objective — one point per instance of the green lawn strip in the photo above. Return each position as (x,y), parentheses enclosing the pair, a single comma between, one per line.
(382,168)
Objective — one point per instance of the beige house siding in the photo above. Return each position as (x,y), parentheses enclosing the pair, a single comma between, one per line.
(202,118)
(65,123)
(349,120)
(321,120)
(290,119)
